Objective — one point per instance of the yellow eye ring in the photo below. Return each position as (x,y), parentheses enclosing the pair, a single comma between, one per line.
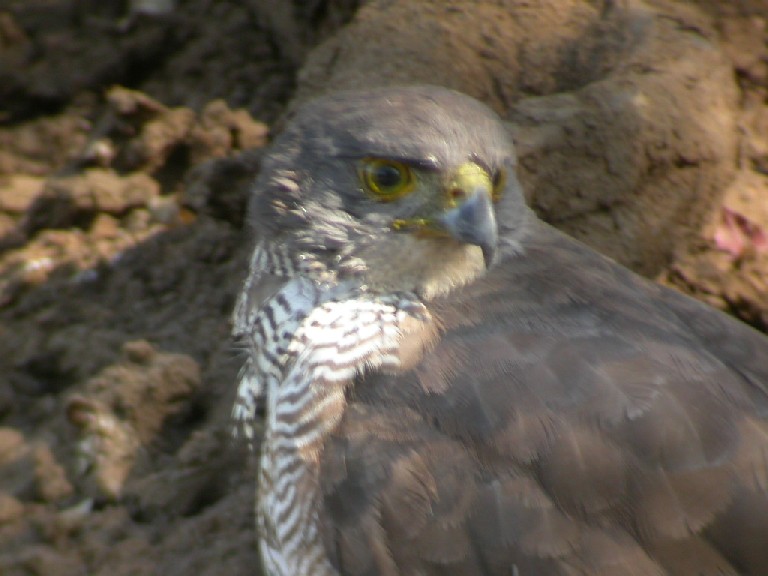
(387,179)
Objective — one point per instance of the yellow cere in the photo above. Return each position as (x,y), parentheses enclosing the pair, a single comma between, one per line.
(387,179)
(467,178)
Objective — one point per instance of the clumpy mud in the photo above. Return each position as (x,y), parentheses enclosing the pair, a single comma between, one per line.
(130,132)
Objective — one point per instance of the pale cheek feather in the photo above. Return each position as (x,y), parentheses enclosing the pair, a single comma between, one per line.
(426,266)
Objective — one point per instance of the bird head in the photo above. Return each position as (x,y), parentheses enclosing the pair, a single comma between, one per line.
(404,188)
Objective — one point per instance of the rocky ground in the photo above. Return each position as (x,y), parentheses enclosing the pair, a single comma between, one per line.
(130,130)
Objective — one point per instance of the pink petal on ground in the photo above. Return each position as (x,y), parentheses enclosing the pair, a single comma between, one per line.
(728,235)
(736,234)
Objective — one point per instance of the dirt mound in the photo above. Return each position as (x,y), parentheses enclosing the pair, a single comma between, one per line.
(640,127)
(623,114)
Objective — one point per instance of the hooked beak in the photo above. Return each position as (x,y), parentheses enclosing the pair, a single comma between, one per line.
(468,215)
(473,222)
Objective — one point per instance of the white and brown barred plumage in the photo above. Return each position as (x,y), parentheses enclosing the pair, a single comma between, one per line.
(553,414)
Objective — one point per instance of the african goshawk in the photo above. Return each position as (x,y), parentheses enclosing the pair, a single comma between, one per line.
(453,387)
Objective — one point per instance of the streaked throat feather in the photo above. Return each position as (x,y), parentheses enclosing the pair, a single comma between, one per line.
(307,343)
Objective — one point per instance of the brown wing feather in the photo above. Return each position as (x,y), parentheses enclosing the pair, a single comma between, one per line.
(571,419)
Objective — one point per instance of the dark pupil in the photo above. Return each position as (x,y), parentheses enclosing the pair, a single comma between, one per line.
(387,176)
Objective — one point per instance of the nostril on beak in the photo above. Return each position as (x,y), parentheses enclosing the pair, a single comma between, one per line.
(472,221)
(457,194)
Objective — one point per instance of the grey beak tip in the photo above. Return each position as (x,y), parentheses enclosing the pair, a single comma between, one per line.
(474,223)
(489,254)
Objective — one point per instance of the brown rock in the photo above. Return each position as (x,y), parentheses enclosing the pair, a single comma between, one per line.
(123,409)
(45,560)
(9,233)
(106,451)
(221,130)
(50,477)
(247,132)
(66,200)
(158,139)
(18,191)
(11,33)
(127,102)
(12,445)
(104,226)
(16,465)
(10,508)
(139,352)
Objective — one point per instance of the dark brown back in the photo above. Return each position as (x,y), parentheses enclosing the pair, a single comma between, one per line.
(572,418)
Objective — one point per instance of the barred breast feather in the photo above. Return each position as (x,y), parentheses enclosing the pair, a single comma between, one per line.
(309,340)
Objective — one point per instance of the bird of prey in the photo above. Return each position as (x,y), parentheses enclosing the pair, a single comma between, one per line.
(453,387)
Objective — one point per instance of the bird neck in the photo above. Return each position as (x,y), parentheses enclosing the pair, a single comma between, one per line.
(308,345)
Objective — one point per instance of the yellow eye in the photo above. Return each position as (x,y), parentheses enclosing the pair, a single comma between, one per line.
(387,179)
(499,183)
